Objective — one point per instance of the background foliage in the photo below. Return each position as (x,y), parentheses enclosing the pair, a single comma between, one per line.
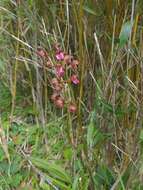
(99,147)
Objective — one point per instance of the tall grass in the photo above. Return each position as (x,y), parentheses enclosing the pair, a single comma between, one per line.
(99,146)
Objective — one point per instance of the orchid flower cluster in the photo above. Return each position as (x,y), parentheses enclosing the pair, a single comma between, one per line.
(65,70)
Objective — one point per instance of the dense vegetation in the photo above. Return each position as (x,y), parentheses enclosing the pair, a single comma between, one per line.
(71,94)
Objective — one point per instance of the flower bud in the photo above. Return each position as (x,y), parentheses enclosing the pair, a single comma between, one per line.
(54,96)
(72,108)
(54,82)
(68,59)
(56,85)
(48,64)
(74,64)
(74,79)
(59,102)
(42,53)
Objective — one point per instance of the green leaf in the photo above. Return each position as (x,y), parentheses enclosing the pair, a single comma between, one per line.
(2,155)
(45,186)
(2,66)
(15,180)
(90,133)
(89,10)
(141,135)
(103,176)
(125,33)
(99,137)
(75,183)
(30,2)
(53,169)
(68,153)
(59,184)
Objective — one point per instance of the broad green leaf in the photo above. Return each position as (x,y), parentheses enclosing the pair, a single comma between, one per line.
(75,183)
(58,183)
(98,137)
(53,169)
(103,176)
(125,33)
(90,134)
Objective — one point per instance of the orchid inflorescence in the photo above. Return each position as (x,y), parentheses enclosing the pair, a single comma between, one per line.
(65,69)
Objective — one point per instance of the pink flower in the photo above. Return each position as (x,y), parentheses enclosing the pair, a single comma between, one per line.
(74,64)
(60,56)
(72,108)
(60,70)
(59,102)
(74,79)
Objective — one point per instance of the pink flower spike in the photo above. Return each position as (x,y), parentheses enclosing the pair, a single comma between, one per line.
(60,56)
(74,79)
(60,70)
